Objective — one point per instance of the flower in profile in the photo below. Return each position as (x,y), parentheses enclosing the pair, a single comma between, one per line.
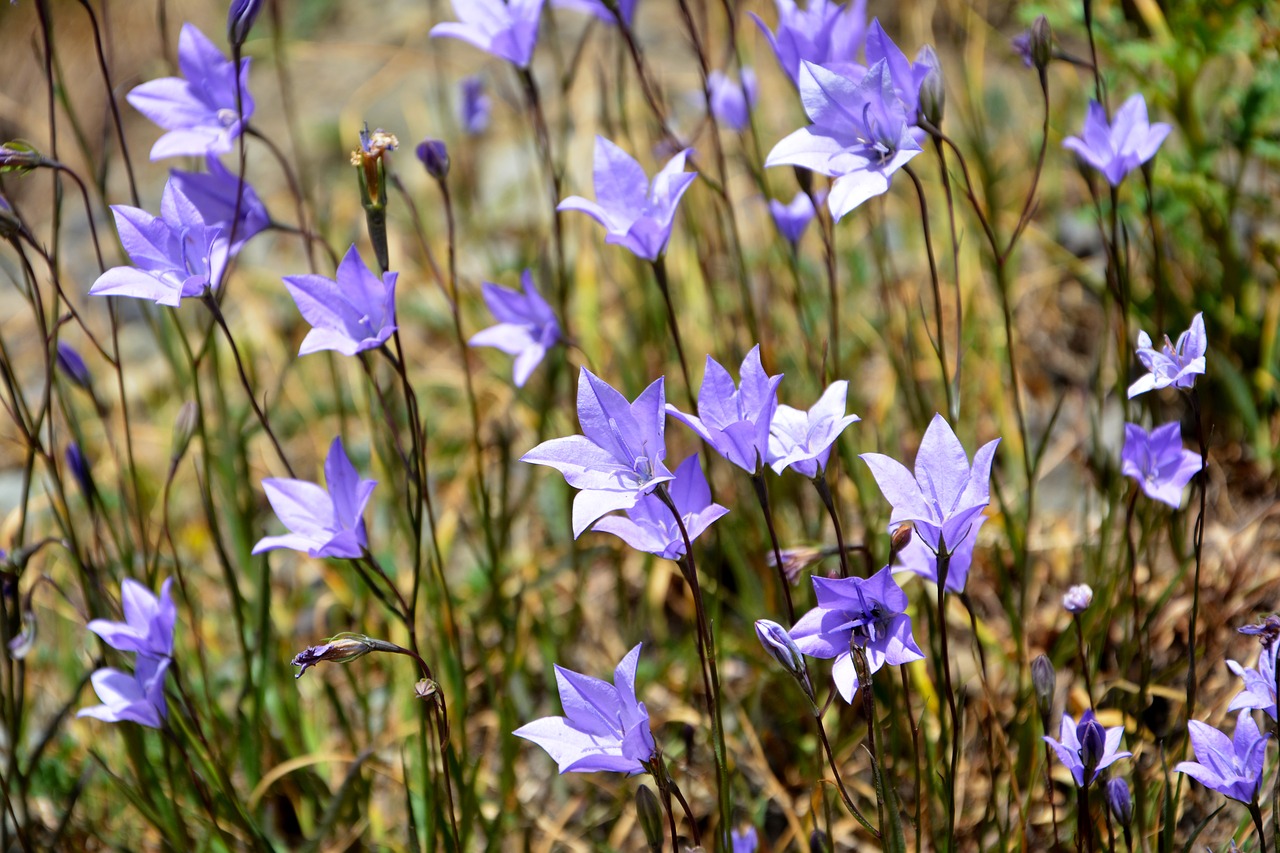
(148,623)
(352,314)
(214,194)
(916,557)
(605,726)
(905,75)
(174,255)
(1119,801)
(731,102)
(1230,766)
(343,648)
(474,106)
(861,134)
(1175,365)
(618,458)
(323,522)
(866,613)
(1116,149)
(793,218)
(240,18)
(1021,44)
(803,440)
(626,8)
(744,840)
(649,525)
(735,420)
(507,30)
(197,109)
(945,495)
(526,326)
(634,213)
(1158,461)
(1087,749)
(782,648)
(1077,599)
(825,33)
(1259,684)
(136,697)
(72,365)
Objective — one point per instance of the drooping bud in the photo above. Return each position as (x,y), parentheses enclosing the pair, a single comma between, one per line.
(240,19)
(1078,598)
(778,643)
(20,156)
(435,157)
(184,427)
(71,365)
(1044,680)
(1119,801)
(343,648)
(649,813)
(1041,43)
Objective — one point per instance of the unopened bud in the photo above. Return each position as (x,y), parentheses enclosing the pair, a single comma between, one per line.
(778,643)
(819,842)
(71,365)
(805,178)
(19,156)
(1078,598)
(240,19)
(933,97)
(184,427)
(342,648)
(900,538)
(649,812)
(1093,743)
(21,645)
(1119,801)
(1041,43)
(1044,680)
(80,470)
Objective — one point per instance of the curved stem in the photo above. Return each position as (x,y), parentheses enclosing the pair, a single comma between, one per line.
(940,344)
(824,491)
(660,273)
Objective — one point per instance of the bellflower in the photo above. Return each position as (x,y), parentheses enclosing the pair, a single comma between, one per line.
(507,30)
(853,611)
(945,495)
(174,255)
(1175,365)
(1158,461)
(916,557)
(792,219)
(735,421)
(1259,684)
(1116,149)
(1087,747)
(526,327)
(605,726)
(1232,767)
(825,33)
(148,623)
(803,440)
(649,525)
(355,313)
(71,364)
(326,522)
(214,194)
(618,458)
(1077,599)
(474,106)
(634,213)
(905,75)
(861,134)
(744,840)
(626,8)
(731,102)
(198,109)
(136,697)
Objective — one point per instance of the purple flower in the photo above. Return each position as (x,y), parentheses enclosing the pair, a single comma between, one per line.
(1117,149)
(148,623)
(507,30)
(803,440)
(731,102)
(526,327)
(80,470)
(326,522)
(174,255)
(825,33)
(649,525)
(945,495)
(906,76)
(1119,801)
(1259,684)
(1022,46)
(744,840)
(1232,767)
(355,313)
(861,134)
(633,213)
(735,421)
(916,557)
(792,219)
(1077,599)
(198,109)
(214,194)
(618,458)
(73,367)
(1175,365)
(136,697)
(1087,747)
(605,726)
(474,106)
(857,612)
(627,8)
(1158,461)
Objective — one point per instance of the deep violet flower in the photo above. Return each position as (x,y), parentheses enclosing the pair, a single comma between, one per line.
(508,30)
(735,420)
(352,314)
(136,697)
(1232,767)
(1158,461)
(802,440)
(148,623)
(1087,748)
(1116,149)
(322,522)
(731,101)
(824,33)
(71,365)
(526,326)
(634,213)
(626,8)
(605,727)
(214,194)
(197,109)
(649,525)
(618,458)
(240,19)
(793,218)
(1259,684)
(1175,365)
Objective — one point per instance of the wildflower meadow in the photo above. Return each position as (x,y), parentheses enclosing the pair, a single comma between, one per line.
(639,425)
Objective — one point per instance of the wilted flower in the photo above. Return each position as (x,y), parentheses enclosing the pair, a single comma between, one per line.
(735,420)
(1087,748)
(731,102)
(526,327)
(825,33)
(343,648)
(507,30)
(1117,149)
(650,526)
(1158,461)
(1232,767)
(802,440)
(1175,365)
(1078,598)
(148,623)
(792,219)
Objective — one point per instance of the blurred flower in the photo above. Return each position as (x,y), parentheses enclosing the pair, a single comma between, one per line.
(945,495)
(434,156)
(803,440)
(1175,365)
(1117,149)
(198,109)
(148,623)
(792,219)
(825,33)
(80,470)
(526,327)
(240,19)
(1044,681)
(507,30)
(619,457)
(1119,801)
(933,92)
(1259,684)
(744,840)
(1078,598)
(906,76)
(1022,46)
(916,557)
(861,134)
(1158,461)
(10,224)
(1267,631)
(1232,767)
(796,560)
(1087,747)
(71,365)
(735,420)
(474,106)
(634,213)
(605,726)
(649,525)
(626,8)
(136,697)
(355,313)
(731,102)
(867,613)
(18,155)
(214,194)
(325,522)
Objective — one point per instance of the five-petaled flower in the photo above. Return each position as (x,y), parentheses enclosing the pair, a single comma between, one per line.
(618,458)
(905,74)
(650,526)
(507,30)
(825,33)
(352,314)
(198,109)
(802,440)
(323,522)
(1174,365)
(1230,766)
(1116,149)
(1087,748)
(605,726)
(1158,461)
(735,420)
(634,213)
(148,623)
(526,326)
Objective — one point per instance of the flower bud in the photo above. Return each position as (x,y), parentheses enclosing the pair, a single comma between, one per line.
(901,537)
(649,813)
(240,19)
(435,157)
(22,643)
(818,842)
(1119,801)
(1093,743)
(778,643)
(1041,43)
(184,427)
(1044,681)
(805,178)
(71,365)
(933,97)
(19,156)
(343,648)
(1078,598)
(80,470)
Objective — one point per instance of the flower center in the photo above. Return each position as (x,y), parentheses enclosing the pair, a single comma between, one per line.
(227,117)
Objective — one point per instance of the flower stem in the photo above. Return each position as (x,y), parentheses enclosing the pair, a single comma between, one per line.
(660,273)
(824,491)
(1084,660)
(1198,547)
(835,770)
(762,495)
(939,344)
(1084,821)
(944,565)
